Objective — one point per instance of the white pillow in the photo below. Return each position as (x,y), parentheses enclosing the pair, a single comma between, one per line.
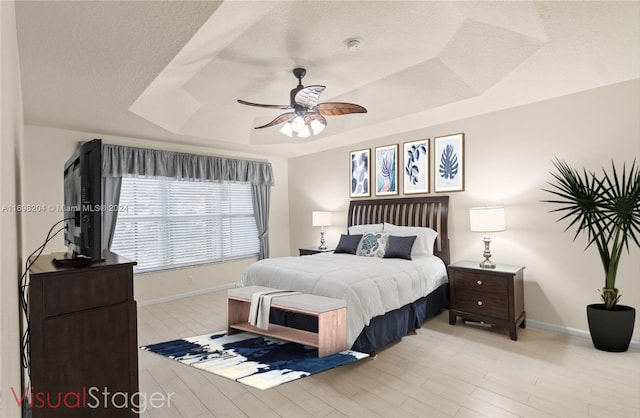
(362,229)
(424,241)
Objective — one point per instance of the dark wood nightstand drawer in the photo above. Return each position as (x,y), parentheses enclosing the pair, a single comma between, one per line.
(482,303)
(478,283)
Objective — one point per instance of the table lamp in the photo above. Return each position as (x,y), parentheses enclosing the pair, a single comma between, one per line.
(321,219)
(487,219)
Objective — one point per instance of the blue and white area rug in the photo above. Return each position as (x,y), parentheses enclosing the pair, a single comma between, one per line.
(256,361)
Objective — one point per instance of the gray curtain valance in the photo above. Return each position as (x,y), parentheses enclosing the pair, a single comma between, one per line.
(118,161)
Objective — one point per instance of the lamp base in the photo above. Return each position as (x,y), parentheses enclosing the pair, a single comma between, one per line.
(322,245)
(487,264)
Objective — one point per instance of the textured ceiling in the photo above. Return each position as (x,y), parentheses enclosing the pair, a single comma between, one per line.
(172,70)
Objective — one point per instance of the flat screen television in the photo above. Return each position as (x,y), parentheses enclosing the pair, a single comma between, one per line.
(83,203)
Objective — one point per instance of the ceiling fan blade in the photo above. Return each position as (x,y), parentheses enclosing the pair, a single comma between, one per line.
(338,108)
(283,107)
(282,118)
(308,96)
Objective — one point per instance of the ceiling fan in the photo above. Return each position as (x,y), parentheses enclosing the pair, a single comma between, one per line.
(307,115)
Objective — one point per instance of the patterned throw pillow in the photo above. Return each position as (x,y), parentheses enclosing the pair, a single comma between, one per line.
(373,244)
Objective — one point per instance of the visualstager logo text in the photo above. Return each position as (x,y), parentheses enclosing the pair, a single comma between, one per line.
(91,398)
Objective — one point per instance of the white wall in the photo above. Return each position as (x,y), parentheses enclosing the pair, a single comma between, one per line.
(47,149)
(11,123)
(508,160)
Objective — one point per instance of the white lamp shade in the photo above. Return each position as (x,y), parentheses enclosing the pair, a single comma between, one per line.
(317,127)
(297,124)
(487,219)
(305,132)
(320,218)
(287,129)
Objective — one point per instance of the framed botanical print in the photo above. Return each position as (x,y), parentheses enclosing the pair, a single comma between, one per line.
(387,170)
(360,173)
(415,166)
(449,163)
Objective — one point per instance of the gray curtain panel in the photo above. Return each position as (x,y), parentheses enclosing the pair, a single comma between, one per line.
(110,201)
(119,161)
(261,197)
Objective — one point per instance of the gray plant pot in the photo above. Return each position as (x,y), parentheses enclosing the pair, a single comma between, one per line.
(611,330)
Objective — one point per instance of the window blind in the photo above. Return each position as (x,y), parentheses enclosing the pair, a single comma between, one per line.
(166,223)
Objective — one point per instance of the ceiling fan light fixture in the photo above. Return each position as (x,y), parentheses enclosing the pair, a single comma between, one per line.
(287,129)
(306,114)
(305,132)
(317,127)
(298,124)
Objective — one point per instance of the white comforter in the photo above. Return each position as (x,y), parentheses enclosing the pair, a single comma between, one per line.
(371,286)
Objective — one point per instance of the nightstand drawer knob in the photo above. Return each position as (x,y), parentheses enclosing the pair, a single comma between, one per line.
(479,303)
(479,282)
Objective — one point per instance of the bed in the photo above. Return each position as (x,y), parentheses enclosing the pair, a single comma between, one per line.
(386,298)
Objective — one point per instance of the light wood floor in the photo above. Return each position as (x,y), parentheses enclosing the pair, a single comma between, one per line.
(442,371)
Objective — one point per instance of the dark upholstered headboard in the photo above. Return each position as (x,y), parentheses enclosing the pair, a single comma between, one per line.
(427,211)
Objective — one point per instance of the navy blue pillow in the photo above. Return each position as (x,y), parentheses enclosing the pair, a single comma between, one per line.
(399,247)
(348,244)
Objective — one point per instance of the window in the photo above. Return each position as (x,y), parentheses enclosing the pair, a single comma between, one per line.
(165,223)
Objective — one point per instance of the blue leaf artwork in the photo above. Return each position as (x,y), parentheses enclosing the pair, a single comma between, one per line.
(448,163)
(386,166)
(412,169)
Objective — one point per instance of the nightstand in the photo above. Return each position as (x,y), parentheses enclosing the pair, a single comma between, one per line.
(313,250)
(494,296)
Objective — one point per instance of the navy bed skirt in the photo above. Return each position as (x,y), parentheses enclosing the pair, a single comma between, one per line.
(382,329)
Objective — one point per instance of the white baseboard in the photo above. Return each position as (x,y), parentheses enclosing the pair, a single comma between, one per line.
(635,344)
(188,294)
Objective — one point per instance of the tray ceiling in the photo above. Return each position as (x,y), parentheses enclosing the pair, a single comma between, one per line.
(173,70)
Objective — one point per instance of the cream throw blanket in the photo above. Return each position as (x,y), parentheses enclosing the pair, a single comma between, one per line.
(261,305)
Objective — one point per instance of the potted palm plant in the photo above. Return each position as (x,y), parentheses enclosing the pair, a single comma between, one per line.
(607,208)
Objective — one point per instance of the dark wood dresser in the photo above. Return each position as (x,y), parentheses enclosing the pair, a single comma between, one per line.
(493,296)
(83,336)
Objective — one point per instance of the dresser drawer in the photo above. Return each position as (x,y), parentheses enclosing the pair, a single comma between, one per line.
(76,290)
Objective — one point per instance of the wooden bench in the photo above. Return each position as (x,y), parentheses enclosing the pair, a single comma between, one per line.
(331,313)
